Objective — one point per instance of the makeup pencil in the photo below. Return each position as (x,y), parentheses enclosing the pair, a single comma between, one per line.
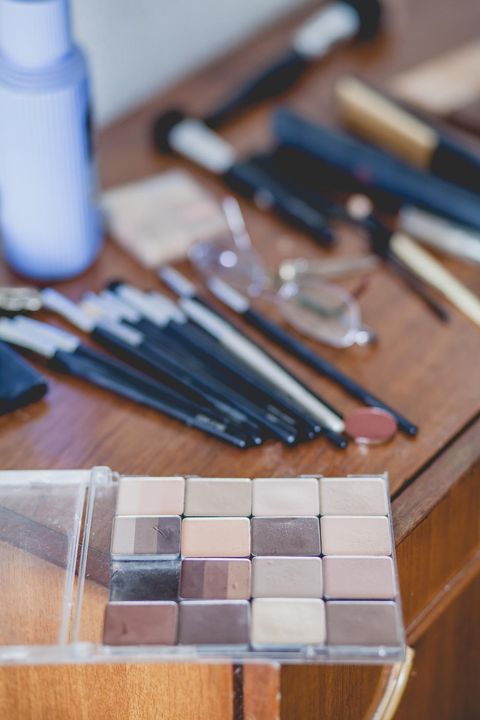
(66,353)
(241,305)
(238,343)
(381,120)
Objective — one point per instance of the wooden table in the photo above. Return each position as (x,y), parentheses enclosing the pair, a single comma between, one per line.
(427,370)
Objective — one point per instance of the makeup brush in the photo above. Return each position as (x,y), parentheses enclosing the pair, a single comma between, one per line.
(237,342)
(66,353)
(241,305)
(166,327)
(192,139)
(163,360)
(130,345)
(330,26)
(199,350)
(380,120)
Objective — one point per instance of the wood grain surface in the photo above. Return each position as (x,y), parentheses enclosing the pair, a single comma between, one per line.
(427,370)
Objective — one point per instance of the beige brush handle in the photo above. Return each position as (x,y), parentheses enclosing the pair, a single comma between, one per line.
(381,121)
(430,270)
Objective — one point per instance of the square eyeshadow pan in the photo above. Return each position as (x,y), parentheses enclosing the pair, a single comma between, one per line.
(146,536)
(285,497)
(215,579)
(218,497)
(151,496)
(285,536)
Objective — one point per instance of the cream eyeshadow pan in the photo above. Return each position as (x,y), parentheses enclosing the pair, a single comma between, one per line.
(263,564)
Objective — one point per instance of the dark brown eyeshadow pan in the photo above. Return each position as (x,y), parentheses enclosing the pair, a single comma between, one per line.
(285,536)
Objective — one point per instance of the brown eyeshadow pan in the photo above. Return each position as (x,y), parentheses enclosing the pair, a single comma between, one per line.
(362,623)
(285,536)
(213,622)
(140,623)
(215,579)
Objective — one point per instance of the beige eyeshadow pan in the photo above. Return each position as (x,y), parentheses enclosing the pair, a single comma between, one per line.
(285,496)
(278,622)
(355,535)
(353,496)
(287,577)
(218,497)
(216,537)
(151,496)
(358,578)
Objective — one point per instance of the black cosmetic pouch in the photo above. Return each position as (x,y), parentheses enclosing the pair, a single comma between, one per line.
(20,384)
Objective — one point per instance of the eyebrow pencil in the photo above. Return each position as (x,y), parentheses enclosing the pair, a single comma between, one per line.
(241,345)
(352,165)
(380,120)
(66,353)
(200,350)
(336,23)
(192,139)
(241,305)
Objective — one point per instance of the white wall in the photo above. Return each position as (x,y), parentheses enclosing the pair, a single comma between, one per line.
(138,46)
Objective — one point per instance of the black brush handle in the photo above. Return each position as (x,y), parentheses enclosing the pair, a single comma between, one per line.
(163,369)
(283,338)
(267,191)
(220,363)
(455,163)
(270,82)
(123,381)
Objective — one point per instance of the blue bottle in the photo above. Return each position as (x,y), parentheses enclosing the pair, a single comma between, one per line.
(49,221)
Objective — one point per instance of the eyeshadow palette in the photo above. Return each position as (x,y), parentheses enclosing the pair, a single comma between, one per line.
(195,569)
(301,566)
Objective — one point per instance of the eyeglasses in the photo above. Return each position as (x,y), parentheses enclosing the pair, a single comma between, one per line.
(300,288)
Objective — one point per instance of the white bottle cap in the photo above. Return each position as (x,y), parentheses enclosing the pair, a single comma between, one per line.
(34,33)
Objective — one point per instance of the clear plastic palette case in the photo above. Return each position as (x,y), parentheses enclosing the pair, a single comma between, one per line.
(64,558)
